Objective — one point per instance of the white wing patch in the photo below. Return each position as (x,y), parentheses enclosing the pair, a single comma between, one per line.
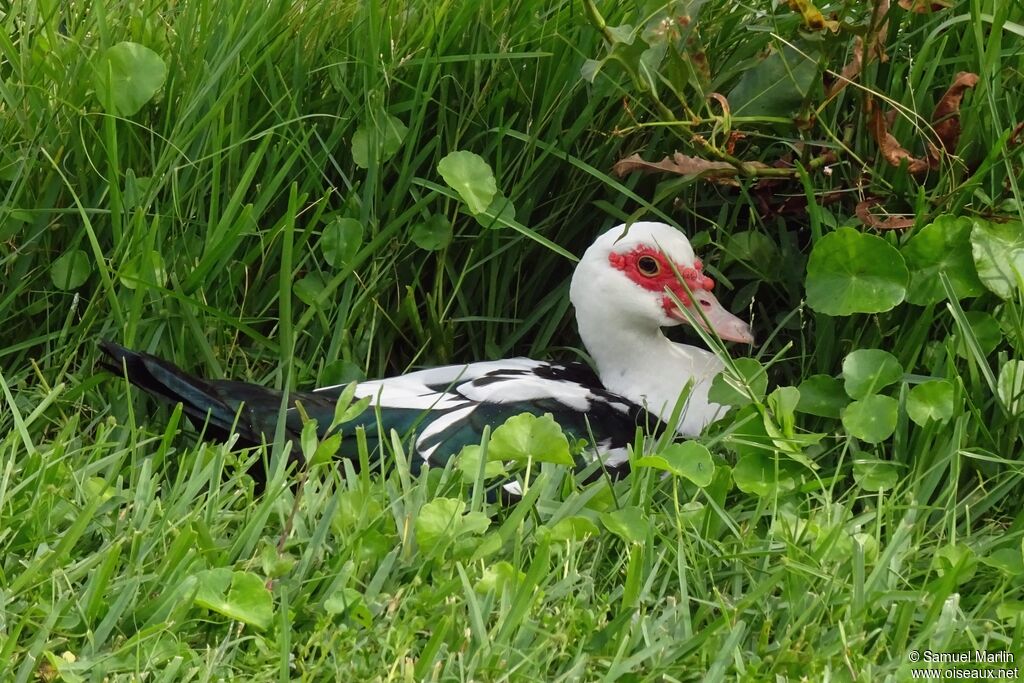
(528,388)
(453,392)
(439,388)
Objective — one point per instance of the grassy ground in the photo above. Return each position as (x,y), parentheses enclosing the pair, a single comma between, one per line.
(227,225)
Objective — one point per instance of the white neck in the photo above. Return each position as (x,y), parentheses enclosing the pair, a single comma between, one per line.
(636,360)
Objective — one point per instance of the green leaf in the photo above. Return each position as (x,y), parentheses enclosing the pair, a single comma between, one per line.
(943,246)
(932,400)
(573,528)
(868,371)
(1010,386)
(622,34)
(998,250)
(442,520)
(468,463)
(732,391)
(783,402)
(872,419)
(780,424)
(1010,611)
(341,372)
(822,395)
(247,600)
(765,475)
(470,176)
(1006,560)
(340,241)
(350,602)
(326,450)
(527,436)
(499,578)
(308,288)
(147,268)
(853,272)
(986,330)
(127,76)
(689,459)
(308,439)
(275,563)
(776,86)
(70,270)
(500,211)
(432,234)
(875,475)
(758,252)
(386,136)
(748,435)
(629,523)
(957,560)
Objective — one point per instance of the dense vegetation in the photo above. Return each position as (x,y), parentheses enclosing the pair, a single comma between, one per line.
(254,190)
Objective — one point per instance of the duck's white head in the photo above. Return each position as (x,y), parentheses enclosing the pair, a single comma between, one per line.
(628,274)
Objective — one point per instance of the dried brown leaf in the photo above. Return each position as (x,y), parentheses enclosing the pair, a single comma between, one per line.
(876,45)
(722,102)
(890,147)
(887,222)
(851,70)
(1016,135)
(946,117)
(730,143)
(681,164)
(677,163)
(925,6)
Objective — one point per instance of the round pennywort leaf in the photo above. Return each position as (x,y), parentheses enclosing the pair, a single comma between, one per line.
(985,329)
(630,524)
(765,475)
(340,241)
(854,272)
(70,270)
(822,395)
(690,460)
(871,419)
(868,371)
(1010,386)
(529,436)
(930,401)
(470,176)
(383,135)
(432,234)
(126,77)
(943,246)
(875,475)
(998,250)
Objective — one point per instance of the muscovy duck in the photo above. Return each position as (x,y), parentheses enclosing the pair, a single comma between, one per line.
(620,290)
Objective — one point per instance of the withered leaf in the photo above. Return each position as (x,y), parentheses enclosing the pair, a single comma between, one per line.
(1016,135)
(925,6)
(946,117)
(681,164)
(813,18)
(887,222)
(851,70)
(724,103)
(890,147)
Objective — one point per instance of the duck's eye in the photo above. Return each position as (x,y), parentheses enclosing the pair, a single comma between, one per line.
(648,265)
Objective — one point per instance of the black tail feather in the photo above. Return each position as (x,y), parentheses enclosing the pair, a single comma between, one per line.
(219,407)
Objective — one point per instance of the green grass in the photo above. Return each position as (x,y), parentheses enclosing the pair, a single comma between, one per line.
(199,222)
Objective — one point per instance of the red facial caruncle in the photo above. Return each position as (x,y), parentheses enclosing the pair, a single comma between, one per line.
(650,269)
